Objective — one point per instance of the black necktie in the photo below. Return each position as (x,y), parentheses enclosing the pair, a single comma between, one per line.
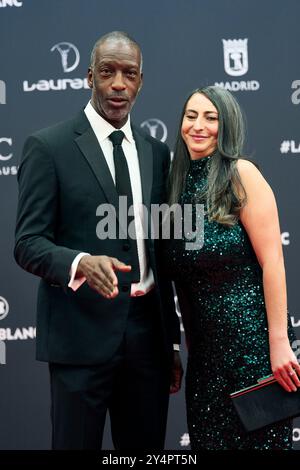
(123,187)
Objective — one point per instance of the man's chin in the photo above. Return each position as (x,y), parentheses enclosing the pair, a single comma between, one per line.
(117,116)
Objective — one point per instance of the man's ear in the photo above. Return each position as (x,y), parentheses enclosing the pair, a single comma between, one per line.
(90,77)
(142,81)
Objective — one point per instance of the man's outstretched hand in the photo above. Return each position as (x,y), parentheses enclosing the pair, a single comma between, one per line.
(99,272)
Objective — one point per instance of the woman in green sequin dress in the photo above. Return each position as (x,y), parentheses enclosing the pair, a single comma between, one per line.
(231,292)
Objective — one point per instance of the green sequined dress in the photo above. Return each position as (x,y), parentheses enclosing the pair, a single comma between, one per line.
(229,338)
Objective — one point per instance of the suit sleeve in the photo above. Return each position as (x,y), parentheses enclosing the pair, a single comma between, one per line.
(35,247)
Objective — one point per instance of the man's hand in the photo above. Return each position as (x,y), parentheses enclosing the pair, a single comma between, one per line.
(177,373)
(99,272)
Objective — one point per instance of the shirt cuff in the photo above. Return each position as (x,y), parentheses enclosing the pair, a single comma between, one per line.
(176,347)
(74,284)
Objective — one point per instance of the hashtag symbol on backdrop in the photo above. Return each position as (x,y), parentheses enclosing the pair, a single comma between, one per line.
(185,440)
(285,146)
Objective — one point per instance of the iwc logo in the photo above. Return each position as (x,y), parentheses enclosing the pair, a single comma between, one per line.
(5,155)
(156,128)
(8,141)
(10,3)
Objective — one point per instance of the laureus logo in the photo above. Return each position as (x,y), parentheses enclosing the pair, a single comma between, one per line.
(235,56)
(156,128)
(69,53)
(70,58)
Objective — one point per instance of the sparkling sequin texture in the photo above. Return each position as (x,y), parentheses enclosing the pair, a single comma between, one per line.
(229,338)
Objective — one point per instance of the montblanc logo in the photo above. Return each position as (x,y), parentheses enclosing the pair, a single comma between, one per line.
(156,128)
(69,57)
(10,3)
(2,92)
(4,308)
(236,64)
(23,334)
(65,48)
(295,97)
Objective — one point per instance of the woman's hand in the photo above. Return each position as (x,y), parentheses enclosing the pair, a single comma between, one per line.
(284,364)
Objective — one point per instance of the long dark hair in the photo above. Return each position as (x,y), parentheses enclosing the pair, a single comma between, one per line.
(225,194)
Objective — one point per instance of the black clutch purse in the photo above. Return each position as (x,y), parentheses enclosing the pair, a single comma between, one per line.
(265,403)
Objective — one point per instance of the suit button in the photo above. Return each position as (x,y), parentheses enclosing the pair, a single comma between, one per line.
(125,288)
(126,247)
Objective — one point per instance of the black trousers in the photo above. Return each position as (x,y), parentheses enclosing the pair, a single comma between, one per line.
(133,386)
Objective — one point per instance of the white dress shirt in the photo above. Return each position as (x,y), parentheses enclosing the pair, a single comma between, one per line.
(102,130)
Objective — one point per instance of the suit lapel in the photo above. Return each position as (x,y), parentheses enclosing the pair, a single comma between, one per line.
(90,148)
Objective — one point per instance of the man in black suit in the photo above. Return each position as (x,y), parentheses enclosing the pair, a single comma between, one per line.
(106,321)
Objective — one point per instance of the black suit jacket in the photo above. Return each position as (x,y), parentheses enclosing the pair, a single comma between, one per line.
(63,177)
